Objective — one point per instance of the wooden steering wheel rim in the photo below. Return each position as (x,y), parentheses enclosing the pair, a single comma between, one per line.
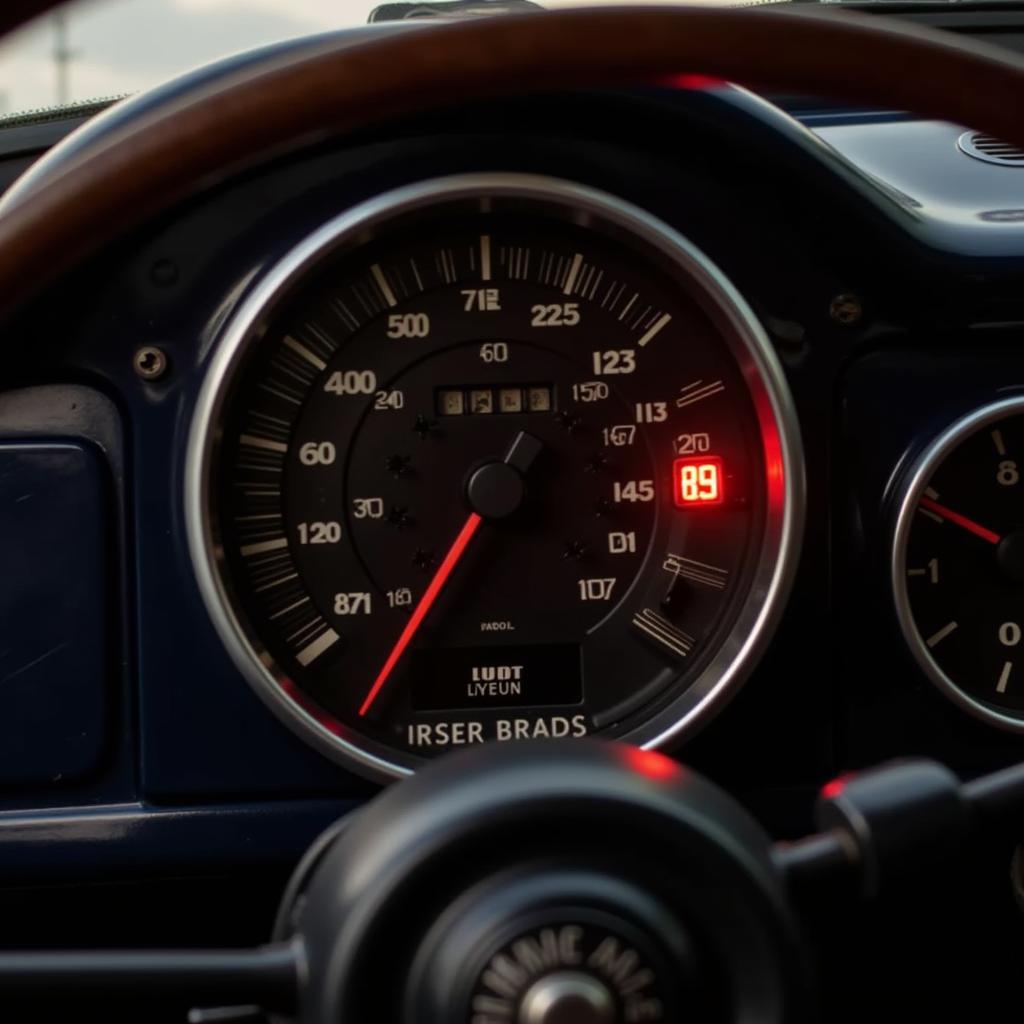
(351,81)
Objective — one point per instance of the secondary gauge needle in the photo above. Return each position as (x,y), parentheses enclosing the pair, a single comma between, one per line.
(445,570)
(954,517)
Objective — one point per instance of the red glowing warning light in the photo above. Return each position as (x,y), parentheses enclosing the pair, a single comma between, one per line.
(698,481)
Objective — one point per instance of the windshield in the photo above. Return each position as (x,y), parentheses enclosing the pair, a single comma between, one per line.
(97,49)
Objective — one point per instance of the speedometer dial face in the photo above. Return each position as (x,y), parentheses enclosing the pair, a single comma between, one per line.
(958,569)
(487,459)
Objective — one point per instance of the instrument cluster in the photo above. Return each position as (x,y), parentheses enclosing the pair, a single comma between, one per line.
(493,458)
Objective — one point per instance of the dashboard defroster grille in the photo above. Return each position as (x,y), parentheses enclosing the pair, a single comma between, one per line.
(991,149)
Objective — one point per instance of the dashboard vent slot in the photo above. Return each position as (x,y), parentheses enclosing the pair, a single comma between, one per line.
(991,149)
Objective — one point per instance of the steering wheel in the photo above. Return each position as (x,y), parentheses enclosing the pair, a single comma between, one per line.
(532,883)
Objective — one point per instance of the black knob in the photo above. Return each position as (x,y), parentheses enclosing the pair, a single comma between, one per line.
(555,882)
(496,490)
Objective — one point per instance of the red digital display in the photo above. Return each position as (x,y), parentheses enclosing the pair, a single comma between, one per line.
(698,481)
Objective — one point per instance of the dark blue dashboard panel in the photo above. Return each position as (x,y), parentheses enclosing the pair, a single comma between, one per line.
(55,612)
(71,735)
(178,815)
(971,206)
(793,223)
(136,841)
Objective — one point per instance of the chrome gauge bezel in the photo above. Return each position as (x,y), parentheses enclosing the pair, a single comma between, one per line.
(749,345)
(918,478)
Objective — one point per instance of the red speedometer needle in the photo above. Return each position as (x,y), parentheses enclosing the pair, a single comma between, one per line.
(445,570)
(954,517)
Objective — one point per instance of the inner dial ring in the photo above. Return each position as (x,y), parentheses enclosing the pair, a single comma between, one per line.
(407,480)
(491,457)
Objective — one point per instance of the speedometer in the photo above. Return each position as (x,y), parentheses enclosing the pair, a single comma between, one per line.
(490,458)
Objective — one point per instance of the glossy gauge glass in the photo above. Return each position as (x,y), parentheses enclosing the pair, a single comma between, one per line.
(958,563)
(493,457)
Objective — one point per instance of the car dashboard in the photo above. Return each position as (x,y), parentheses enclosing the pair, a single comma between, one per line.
(166,749)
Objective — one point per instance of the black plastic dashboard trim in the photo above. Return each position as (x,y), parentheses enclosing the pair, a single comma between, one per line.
(124,840)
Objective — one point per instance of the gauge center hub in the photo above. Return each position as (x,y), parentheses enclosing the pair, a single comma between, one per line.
(592,965)
(1010,554)
(567,997)
(496,490)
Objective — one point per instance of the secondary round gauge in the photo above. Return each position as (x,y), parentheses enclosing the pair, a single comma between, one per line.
(492,458)
(958,567)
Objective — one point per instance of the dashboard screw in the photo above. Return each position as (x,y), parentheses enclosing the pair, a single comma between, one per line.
(149,362)
(846,309)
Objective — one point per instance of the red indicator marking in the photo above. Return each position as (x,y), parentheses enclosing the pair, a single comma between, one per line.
(651,764)
(832,790)
(954,517)
(426,603)
(696,82)
(698,481)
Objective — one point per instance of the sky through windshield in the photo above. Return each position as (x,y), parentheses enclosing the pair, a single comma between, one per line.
(106,48)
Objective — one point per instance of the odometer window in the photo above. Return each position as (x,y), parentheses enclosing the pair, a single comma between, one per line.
(491,459)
